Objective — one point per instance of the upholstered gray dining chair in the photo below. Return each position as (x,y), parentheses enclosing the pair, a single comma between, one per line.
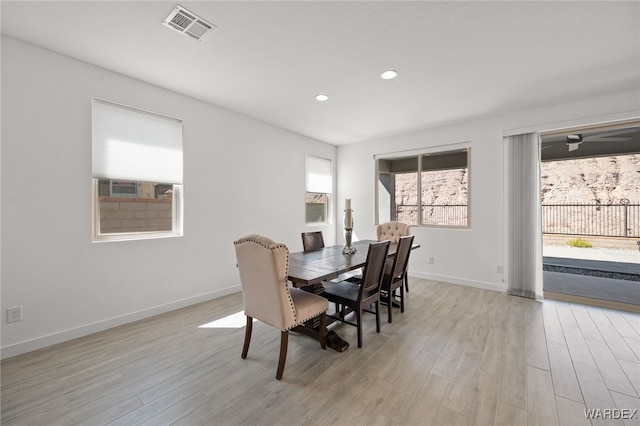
(392,231)
(263,266)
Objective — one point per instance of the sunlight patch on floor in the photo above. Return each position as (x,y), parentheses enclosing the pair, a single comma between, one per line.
(237,320)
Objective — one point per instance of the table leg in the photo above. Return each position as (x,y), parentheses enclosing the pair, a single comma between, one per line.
(311,328)
(335,342)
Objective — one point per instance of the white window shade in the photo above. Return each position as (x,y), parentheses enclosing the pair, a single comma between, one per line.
(135,145)
(319,175)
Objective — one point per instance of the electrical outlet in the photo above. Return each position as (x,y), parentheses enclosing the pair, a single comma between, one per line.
(498,269)
(14,314)
(432,260)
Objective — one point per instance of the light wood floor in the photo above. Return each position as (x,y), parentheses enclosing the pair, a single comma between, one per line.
(458,355)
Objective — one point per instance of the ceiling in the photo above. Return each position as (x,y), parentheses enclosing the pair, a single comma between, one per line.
(457,61)
(584,143)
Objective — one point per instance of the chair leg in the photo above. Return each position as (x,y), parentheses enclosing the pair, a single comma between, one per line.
(323,330)
(402,299)
(406,282)
(390,299)
(247,337)
(377,303)
(359,325)
(284,341)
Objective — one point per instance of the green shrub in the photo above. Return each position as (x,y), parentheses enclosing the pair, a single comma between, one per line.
(579,242)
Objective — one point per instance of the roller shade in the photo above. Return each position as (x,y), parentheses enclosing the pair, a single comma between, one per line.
(131,144)
(319,175)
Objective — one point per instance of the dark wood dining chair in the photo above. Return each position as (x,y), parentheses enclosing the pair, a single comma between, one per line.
(392,231)
(394,276)
(263,266)
(312,241)
(354,297)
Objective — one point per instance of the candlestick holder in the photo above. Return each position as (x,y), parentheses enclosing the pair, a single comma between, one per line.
(348,233)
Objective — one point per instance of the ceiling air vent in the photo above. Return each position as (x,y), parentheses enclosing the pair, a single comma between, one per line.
(188,23)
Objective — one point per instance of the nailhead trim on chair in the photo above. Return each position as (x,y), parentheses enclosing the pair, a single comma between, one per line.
(259,239)
(305,320)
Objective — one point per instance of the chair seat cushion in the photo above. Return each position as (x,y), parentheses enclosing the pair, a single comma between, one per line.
(343,291)
(308,305)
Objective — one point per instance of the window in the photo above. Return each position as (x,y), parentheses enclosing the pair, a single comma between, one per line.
(136,172)
(319,189)
(427,188)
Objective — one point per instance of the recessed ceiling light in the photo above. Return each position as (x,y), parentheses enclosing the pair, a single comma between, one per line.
(321,98)
(389,74)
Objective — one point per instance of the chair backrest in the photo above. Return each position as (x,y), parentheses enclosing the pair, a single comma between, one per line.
(263,266)
(401,258)
(312,241)
(373,268)
(392,231)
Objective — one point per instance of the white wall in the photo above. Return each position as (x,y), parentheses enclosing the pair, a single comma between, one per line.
(468,256)
(240,176)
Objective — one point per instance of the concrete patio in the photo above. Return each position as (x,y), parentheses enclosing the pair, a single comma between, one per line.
(623,291)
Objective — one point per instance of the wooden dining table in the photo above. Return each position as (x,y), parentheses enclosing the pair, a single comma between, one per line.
(307,270)
(312,267)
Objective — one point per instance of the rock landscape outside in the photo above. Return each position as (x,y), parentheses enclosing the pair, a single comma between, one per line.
(601,180)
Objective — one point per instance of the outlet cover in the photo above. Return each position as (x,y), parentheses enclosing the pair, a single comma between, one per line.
(14,314)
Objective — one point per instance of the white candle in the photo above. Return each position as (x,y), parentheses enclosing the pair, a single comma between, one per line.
(348,220)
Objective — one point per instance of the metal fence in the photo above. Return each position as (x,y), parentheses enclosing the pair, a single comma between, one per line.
(610,220)
(433,214)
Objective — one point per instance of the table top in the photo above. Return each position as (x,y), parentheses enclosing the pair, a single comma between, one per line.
(312,267)
(327,263)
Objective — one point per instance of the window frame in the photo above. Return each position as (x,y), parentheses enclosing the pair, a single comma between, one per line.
(328,195)
(438,150)
(177,201)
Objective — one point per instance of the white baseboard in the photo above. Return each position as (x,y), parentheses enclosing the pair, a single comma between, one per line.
(66,335)
(454,280)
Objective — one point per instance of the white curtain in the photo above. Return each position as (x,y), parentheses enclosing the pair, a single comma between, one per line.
(524,232)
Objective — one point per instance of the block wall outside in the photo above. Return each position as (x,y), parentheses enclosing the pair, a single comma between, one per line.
(135,215)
